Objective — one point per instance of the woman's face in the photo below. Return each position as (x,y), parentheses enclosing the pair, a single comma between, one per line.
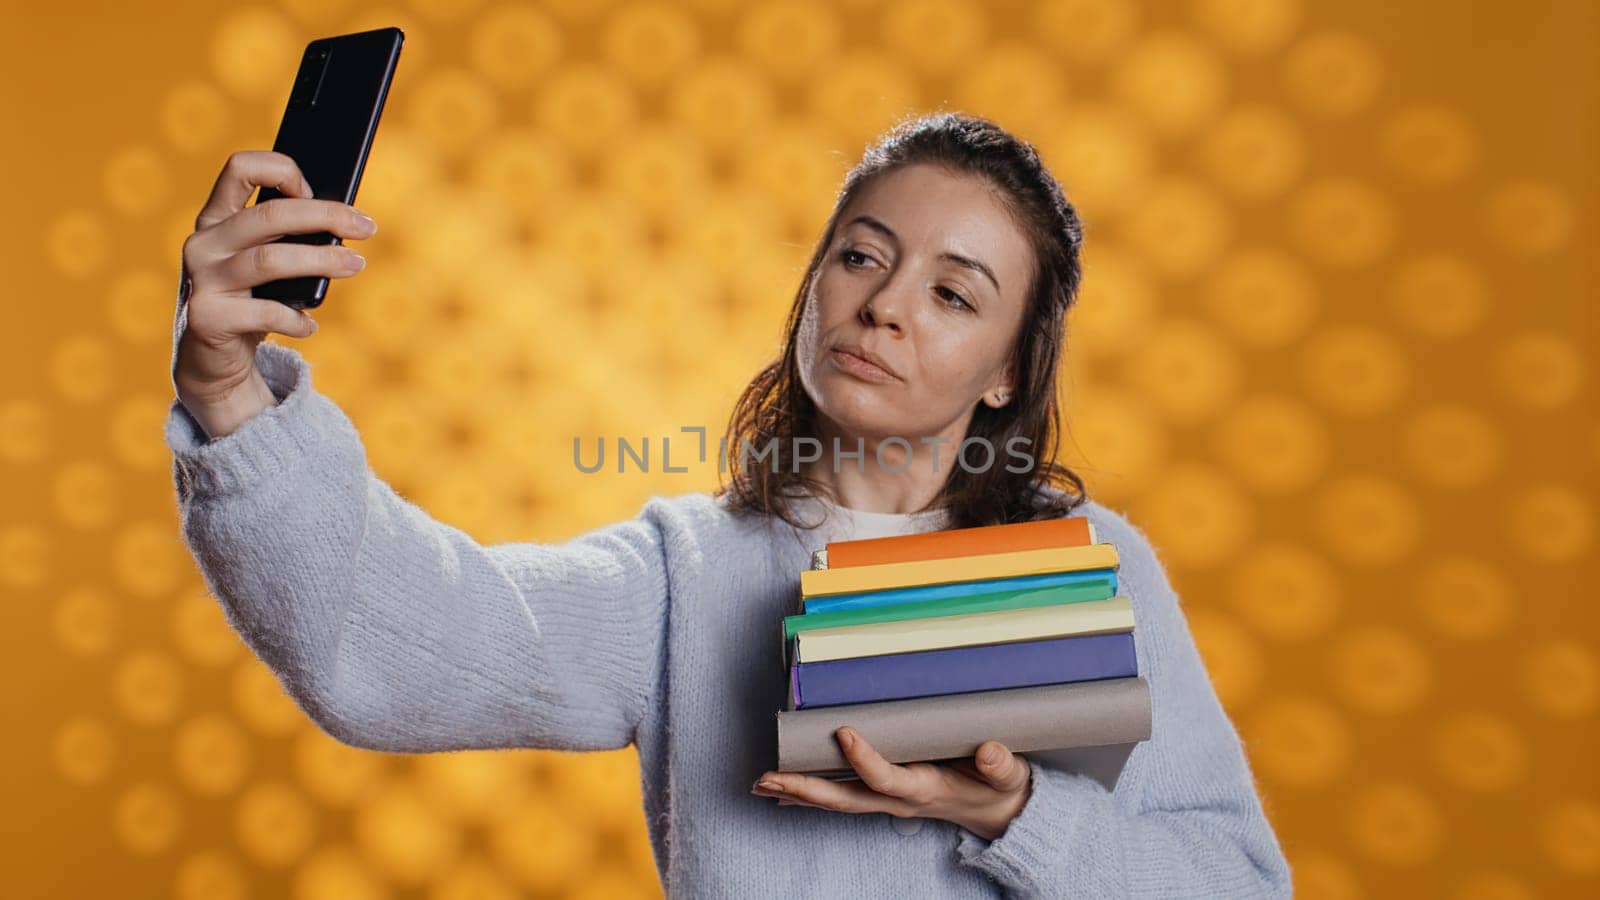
(927,272)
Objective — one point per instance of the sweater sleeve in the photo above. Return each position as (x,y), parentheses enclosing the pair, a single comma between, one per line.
(394,631)
(1184,821)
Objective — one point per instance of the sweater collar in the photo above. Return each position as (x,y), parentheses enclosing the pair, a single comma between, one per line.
(843,523)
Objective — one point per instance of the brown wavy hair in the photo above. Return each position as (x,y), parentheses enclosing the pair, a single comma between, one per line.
(774,409)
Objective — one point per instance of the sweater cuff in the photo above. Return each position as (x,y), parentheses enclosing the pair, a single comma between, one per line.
(263,446)
(1045,837)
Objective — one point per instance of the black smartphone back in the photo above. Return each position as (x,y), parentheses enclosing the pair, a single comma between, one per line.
(327,129)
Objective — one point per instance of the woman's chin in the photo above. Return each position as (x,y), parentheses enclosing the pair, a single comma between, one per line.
(874,420)
(860,407)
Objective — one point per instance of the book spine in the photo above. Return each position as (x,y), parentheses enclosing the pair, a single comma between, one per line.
(892,596)
(998,601)
(972,629)
(1025,719)
(831,581)
(982,668)
(1063,532)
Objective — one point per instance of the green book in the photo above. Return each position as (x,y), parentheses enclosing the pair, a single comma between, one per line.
(998,601)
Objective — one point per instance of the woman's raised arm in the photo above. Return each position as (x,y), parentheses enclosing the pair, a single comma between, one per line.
(391,630)
(397,632)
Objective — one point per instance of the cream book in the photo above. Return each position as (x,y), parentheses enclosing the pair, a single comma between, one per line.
(941,632)
(858,579)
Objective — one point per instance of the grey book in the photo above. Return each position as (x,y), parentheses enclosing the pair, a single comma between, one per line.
(1085,727)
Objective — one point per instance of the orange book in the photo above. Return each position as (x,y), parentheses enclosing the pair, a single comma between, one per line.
(1071,531)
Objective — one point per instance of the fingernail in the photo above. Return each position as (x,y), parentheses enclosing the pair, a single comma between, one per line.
(992,756)
(366,223)
(356,262)
(769,785)
(846,738)
(313,324)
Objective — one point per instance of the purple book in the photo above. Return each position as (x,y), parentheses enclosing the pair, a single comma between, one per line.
(986,667)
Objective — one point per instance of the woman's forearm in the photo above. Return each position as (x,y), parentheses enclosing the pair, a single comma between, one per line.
(398,632)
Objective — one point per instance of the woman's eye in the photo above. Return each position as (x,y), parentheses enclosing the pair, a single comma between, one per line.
(956,298)
(855,259)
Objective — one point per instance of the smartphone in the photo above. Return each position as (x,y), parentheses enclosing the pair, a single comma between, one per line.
(327,129)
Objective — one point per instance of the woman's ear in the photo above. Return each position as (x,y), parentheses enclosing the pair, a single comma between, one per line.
(999,395)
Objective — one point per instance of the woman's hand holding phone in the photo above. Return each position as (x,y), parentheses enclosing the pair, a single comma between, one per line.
(233,249)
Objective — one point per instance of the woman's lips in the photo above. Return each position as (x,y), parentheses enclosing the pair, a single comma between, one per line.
(860,368)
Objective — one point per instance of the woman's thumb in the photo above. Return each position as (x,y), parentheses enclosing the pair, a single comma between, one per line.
(1004,770)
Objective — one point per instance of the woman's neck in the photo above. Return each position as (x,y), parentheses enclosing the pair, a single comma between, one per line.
(864,486)
(886,477)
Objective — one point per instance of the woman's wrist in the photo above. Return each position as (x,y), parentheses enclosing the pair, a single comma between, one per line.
(223,415)
(991,823)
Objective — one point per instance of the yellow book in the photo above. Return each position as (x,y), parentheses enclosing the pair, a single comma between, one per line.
(855,579)
(942,632)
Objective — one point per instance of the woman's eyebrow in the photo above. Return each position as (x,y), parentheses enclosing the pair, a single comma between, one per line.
(976,265)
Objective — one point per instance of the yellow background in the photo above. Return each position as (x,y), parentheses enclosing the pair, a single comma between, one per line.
(1334,351)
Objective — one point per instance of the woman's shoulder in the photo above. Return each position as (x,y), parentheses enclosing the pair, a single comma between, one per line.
(703,506)
(1137,557)
(1111,524)
(694,510)
(700,514)
(698,530)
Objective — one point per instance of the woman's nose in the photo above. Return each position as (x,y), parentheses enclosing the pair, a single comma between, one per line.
(885,308)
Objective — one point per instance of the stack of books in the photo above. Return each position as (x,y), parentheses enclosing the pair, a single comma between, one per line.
(931,644)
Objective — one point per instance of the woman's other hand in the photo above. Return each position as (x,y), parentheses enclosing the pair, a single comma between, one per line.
(982,795)
(232,250)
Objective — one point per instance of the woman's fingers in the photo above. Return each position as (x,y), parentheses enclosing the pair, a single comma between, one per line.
(245,171)
(235,248)
(270,315)
(217,319)
(966,767)
(839,796)
(266,222)
(962,791)
(876,772)
(270,262)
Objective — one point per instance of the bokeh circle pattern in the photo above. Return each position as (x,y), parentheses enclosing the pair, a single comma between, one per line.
(1263,368)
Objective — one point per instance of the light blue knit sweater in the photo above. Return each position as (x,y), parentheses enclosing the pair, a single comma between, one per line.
(396,632)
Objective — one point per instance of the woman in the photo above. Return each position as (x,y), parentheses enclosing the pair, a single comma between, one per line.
(932,312)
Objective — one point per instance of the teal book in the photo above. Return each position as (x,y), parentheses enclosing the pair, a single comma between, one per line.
(1102,588)
(918,594)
